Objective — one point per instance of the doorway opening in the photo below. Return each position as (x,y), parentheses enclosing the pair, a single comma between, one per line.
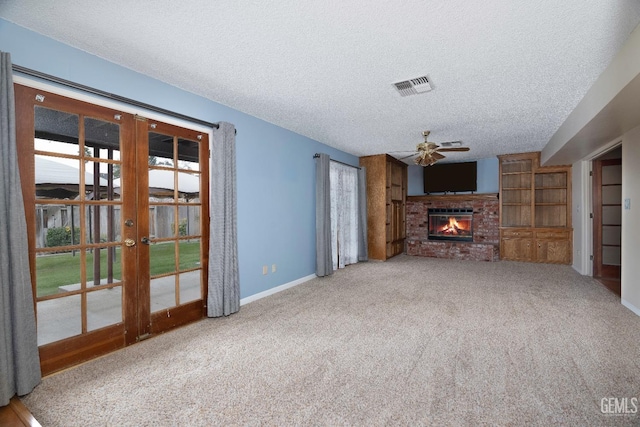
(607,219)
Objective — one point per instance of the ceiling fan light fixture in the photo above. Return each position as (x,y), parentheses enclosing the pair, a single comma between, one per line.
(425,161)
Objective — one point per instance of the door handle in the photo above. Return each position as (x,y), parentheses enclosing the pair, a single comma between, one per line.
(129,242)
(145,240)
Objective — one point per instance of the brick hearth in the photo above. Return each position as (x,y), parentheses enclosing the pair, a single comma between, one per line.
(486,227)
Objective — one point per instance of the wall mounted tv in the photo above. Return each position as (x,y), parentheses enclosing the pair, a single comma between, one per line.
(451,177)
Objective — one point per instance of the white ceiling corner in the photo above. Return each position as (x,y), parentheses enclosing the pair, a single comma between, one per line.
(505,74)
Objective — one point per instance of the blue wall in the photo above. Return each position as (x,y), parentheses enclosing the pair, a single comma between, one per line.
(275,167)
(487,177)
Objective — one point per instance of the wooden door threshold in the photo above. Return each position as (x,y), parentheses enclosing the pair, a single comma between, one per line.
(15,414)
(612,284)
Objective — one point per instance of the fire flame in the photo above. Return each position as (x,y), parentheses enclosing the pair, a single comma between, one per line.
(453,227)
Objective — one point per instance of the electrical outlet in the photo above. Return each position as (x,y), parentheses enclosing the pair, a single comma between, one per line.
(627,204)
(265,269)
(273,268)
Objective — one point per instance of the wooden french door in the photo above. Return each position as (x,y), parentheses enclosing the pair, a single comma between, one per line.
(173,225)
(117,222)
(607,222)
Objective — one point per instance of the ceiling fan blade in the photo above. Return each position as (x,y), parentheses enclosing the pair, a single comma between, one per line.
(437,156)
(406,157)
(454,149)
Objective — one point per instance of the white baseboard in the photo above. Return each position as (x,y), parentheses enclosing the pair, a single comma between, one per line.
(277,289)
(631,307)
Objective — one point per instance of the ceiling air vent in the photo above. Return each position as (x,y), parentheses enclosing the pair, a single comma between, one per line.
(450,144)
(413,86)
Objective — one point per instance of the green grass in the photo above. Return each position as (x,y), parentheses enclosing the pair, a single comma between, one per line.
(57,270)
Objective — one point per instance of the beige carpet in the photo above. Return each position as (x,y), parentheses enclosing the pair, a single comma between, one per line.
(412,341)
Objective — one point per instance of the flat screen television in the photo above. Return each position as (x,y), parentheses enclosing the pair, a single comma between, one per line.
(451,177)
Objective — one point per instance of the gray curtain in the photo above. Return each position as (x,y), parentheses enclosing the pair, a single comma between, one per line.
(224,280)
(363,251)
(19,358)
(324,261)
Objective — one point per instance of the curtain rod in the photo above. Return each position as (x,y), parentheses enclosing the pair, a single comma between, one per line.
(73,85)
(315,156)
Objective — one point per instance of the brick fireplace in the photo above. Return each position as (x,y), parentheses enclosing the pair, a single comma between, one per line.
(478,211)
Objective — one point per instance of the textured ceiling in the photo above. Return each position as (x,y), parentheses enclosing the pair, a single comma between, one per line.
(505,73)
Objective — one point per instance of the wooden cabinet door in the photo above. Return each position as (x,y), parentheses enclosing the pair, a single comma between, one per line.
(510,249)
(516,249)
(397,228)
(553,251)
(395,199)
(386,198)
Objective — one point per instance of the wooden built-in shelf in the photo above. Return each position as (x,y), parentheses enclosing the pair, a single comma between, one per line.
(535,210)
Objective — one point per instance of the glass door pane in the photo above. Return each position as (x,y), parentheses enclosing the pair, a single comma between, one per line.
(174,220)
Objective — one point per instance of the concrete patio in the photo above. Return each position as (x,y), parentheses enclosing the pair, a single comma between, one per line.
(60,318)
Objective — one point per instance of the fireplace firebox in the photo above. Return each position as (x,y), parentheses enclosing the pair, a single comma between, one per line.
(451,224)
